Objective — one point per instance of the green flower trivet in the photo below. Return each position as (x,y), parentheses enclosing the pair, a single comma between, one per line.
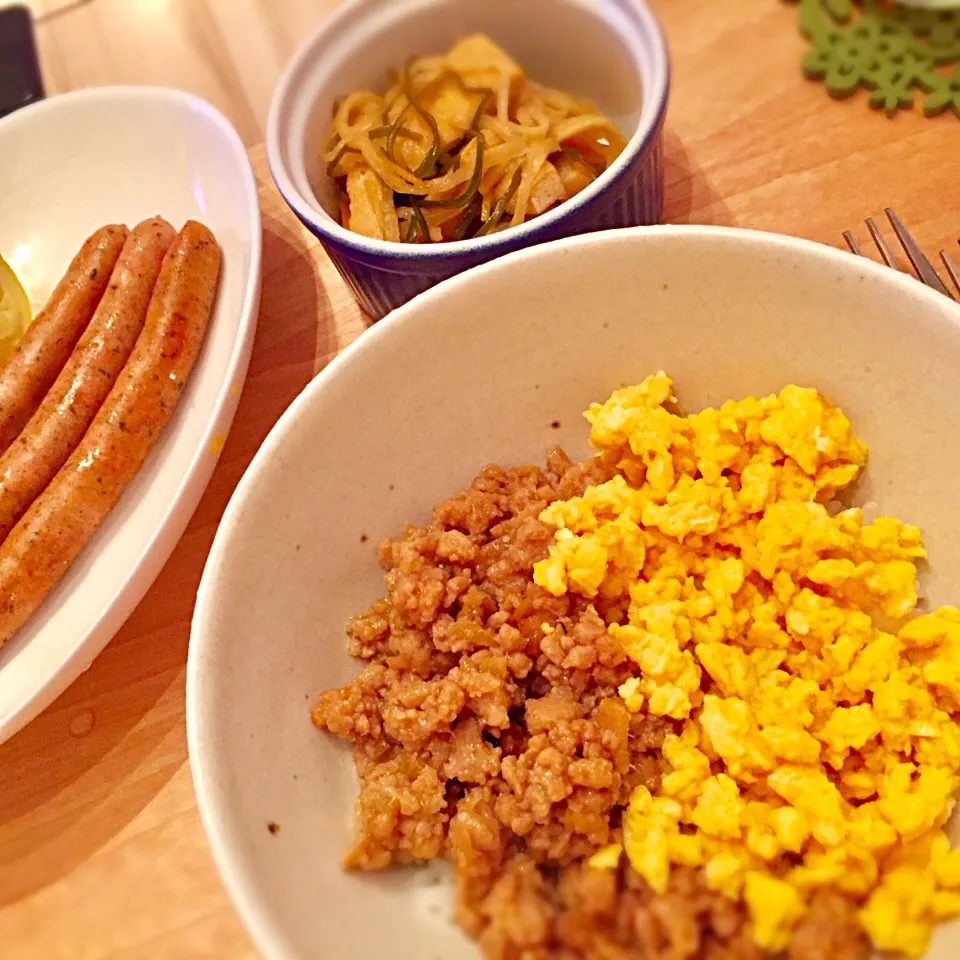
(889,50)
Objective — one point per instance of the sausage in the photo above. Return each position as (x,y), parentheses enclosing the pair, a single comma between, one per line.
(38,552)
(60,422)
(50,339)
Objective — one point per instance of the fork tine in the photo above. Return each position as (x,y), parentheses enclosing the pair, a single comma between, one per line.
(952,268)
(918,258)
(888,258)
(852,243)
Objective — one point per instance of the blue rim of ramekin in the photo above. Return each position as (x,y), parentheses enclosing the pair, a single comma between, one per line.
(349,242)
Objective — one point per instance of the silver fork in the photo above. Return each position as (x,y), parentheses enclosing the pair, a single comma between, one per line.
(921,263)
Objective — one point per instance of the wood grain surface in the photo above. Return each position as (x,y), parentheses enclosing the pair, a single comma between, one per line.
(101,849)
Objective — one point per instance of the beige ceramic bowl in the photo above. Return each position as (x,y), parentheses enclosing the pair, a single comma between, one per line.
(476,370)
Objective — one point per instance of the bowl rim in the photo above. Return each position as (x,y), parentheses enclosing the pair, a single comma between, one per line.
(198,471)
(227,853)
(656,87)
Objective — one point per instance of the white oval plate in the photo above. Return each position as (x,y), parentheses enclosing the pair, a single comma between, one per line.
(70,165)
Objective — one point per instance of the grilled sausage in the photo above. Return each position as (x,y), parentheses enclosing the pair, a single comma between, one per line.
(50,339)
(40,549)
(59,424)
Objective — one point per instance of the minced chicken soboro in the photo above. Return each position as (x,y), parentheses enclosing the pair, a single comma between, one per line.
(481,738)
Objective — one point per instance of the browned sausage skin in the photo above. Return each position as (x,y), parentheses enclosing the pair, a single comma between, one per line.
(50,339)
(46,541)
(60,422)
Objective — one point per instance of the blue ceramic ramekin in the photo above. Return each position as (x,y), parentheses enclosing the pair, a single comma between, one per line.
(612,51)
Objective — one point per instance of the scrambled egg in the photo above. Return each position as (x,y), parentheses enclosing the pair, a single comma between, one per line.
(818,745)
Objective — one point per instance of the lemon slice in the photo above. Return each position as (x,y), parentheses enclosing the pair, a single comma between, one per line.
(14,311)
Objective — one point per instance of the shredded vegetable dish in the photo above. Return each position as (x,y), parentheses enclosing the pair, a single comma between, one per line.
(671,703)
(462,146)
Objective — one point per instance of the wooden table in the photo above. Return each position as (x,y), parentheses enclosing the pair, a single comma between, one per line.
(101,850)
(229,52)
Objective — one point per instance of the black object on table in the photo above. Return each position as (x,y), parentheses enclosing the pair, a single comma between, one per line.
(20,80)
